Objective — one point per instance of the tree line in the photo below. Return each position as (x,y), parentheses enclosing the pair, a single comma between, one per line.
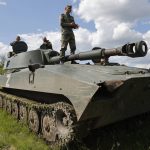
(2,61)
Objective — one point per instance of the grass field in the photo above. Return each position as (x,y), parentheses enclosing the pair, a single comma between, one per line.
(1,69)
(16,136)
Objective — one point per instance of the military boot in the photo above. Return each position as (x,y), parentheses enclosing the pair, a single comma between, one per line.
(73,61)
(62,57)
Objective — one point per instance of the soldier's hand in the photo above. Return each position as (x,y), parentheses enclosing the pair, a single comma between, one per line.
(74,26)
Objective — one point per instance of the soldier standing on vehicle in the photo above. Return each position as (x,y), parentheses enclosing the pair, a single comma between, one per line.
(67,24)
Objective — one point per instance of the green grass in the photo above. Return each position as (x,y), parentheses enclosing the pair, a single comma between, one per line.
(16,136)
(1,70)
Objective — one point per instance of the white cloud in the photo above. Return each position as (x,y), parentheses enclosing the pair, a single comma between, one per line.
(120,10)
(123,31)
(34,40)
(114,19)
(146,36)
(4,48)
(83,39)
(39,30)
(3,3)
(74,1)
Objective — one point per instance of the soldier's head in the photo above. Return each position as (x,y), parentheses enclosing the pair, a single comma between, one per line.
(68,9)
(45,39)
(18,38)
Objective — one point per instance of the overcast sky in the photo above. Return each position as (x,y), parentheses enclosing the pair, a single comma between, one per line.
(103,23)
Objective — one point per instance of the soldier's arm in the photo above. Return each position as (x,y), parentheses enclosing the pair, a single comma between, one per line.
(12,43)
(50,45)
(73,20)
(73,24)
(62,21)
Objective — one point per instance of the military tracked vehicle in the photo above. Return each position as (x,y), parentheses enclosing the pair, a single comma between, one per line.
(59,101)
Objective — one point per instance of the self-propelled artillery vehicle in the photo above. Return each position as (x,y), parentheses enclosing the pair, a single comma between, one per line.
(57,100)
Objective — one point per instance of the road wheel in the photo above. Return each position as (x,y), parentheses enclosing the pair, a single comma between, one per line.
(4,104)
(8,106)
(33,120)
(23,113)
(57,124)
(49,130)
(15,110)
(1,101)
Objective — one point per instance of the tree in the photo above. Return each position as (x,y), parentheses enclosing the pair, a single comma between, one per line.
(2,59)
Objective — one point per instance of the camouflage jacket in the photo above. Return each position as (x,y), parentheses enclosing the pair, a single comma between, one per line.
(13,43)
(65,19)
(46,45)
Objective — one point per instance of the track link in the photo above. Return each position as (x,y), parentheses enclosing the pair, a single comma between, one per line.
(53,122)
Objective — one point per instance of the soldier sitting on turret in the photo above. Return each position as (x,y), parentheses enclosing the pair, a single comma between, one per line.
(17,40)
(19,46)
(46,44)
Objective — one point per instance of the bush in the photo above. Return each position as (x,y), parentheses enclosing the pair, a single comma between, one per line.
(1,70)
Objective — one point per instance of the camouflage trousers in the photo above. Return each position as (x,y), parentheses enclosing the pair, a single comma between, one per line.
(65,40)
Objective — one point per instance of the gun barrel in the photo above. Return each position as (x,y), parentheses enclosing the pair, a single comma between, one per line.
(138,49)
(96,54)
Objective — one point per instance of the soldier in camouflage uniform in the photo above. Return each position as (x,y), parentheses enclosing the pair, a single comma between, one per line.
(46,44)
(67,23)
